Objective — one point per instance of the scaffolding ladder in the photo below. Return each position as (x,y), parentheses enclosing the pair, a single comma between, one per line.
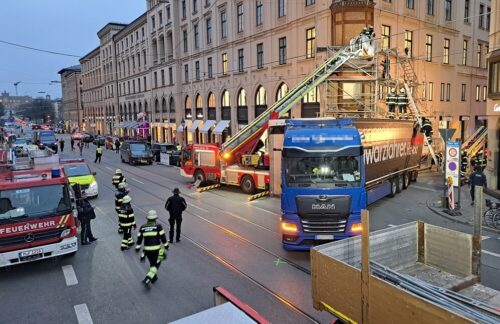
(411,79)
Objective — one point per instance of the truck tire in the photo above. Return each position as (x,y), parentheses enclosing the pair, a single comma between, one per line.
(247,185)
(394,187)
(200,175)
(406,180)
(400,183)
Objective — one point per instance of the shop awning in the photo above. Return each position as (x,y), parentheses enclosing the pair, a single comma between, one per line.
(187,124)
(132,124)
(141,124)
(221,126)
(194,126)
(207,125)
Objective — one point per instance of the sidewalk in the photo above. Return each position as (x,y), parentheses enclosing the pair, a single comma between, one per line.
(466,210)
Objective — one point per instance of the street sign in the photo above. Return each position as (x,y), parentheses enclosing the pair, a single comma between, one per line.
(447,133)
(453,162)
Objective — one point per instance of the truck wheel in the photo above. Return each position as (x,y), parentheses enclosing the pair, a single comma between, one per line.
(406,180)
(247,185)
(394,187)
(199,175)
(400,183)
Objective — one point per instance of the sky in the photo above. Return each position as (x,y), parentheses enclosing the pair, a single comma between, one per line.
(65,26)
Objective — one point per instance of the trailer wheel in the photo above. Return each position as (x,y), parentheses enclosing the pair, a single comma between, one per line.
(394,187)
(400,183)
(200,175)
(247,185)
(406,180)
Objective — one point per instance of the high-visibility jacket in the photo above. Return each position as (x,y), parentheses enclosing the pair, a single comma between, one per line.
(126,216)
(153,236)
(391,98)
(119,198)
(99,150)
(403,100)
(117,179)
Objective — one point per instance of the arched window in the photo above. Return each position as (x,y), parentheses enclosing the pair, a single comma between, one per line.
(212,115)
(310,104)
(199,107)
(164,105)
(187,108)
(130,112)
(171,106)
(146,109)
(282,91)
(157,106)
(134,115)
(260,101)
(242,109)
(226,105)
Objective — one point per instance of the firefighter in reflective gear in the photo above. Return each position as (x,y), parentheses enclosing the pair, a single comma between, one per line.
(392,101)
(155,244)
(464,162)
(479,160)
(119,194)
(126,220)
(402,104)
(427,129)
(118,178)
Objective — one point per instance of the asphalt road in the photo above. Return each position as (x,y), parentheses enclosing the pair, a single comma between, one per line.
(227,241)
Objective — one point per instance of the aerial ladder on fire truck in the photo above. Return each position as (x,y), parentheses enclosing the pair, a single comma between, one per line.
(245,141)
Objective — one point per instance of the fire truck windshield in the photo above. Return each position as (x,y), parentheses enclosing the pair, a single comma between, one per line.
(35,202)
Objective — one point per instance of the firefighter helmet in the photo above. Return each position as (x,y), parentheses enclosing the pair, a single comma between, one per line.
(401,90)
(118,171)
(152,215)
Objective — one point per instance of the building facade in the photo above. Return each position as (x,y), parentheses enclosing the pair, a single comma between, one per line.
(492,168)
(92,92)
(71,101)
(12,102)
(199,70)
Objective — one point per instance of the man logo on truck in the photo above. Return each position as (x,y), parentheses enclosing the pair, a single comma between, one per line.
(323,207)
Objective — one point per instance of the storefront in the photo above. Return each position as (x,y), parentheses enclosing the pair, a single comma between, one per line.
(222,131)
(206,131)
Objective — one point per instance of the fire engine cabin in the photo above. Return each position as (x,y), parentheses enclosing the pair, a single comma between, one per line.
(36,215)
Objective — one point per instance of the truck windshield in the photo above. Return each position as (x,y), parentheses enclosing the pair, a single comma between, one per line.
(76,170)
(323,171)
(34,202)
(47,138)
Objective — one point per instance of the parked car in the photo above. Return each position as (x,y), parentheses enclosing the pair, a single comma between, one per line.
(134,152)
(88,138)
(175,158)
(158,148)
(110,142)
(20,145)
(101,140)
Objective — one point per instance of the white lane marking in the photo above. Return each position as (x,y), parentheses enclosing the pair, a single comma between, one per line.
(83,314)
(424,188)
(264,210)
(391,225)
(100,210)
(203,210)
(109,168)
(69,275)
(491,253)
(138,181)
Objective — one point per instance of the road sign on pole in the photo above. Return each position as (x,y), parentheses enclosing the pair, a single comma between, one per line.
(447,133)
(453,162)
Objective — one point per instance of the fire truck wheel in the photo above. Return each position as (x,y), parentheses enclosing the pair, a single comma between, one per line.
(199,175)
(406,180)
(394,187)
(247,185)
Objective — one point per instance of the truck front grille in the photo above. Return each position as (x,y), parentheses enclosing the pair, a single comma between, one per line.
(324,225)
(39,236)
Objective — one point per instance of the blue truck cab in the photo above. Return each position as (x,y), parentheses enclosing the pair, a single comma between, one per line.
(47,138)
(327,179)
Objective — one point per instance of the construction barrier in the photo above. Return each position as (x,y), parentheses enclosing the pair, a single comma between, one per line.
(259,195)
(451,195)
(202,189)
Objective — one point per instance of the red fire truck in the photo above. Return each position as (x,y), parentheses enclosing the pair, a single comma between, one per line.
(36,214)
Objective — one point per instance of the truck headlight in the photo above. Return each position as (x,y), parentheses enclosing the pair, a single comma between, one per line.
(66,232)
(289,227)
(93,186)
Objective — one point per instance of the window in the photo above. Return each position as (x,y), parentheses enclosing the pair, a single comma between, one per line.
(168,15)
(430,7)
(464,52)
(145,84)
(466,11)
(479,55)
(240,60)
(153,27)
(260,56)
(223,24)
(488,18)
(494,78)
(386,37)
(311,42)
(431,91)
(196,36)
(410,4)
(186,73)
(209,31)
(464,87)
(310,2)
(210,68)
(144,57)
(225,65)
(239,18)
(282,50)
(155,75)
(139,85)
(446,53)
(481,16)
(478,92)
(428,48)
(409,43)
(281,8)
(170,76)
(160,18)
(185,40)
(447,9)
(195,6)
(448,91)
(260,101)
(183,8)
(163,77)
(242,109)
(133,86)
(441,95)
(207,3)
(485,92)
(259,14)
(197,70)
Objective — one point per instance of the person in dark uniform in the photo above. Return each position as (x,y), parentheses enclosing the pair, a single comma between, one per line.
(155,244)
(126,221)
(118,178)
(175,205)
(117,146)
(72,144)
(85,215)
(61,144)
(119,194)
(392,101)
(402,104)
(477,178)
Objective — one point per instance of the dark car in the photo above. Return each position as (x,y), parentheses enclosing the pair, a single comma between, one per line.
(175,158)
(101,140)
(162,148)
(88,138)
(135,152)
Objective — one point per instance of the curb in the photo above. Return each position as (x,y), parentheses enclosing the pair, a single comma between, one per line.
(485,228)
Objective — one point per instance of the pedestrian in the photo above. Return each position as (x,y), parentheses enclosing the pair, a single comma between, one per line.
(117,146)
(85,215)
(155,244)
(119,194)
(72,144)
(98,153)
(477,178)
(61,145)
(175,205)
(80,146)
(126,221)
(118,178)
